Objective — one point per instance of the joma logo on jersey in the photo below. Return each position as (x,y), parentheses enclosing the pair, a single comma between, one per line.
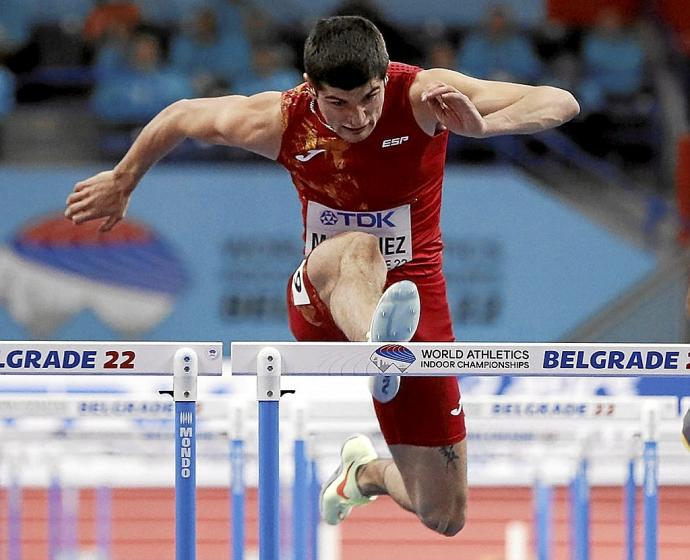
(309,155)
(390,142)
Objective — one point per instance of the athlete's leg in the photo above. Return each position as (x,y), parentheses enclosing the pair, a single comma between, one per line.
(429,481)
(424,427)
(349,273)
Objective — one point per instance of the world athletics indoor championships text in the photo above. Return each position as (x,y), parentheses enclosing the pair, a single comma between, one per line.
(474,359)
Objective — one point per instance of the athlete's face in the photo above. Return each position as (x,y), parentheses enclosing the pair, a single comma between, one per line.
(352,114)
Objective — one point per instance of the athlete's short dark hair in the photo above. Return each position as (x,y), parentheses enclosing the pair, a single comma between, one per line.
(345,52)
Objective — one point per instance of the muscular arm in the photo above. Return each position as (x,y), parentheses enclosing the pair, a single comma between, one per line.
(252,123)
(482,108)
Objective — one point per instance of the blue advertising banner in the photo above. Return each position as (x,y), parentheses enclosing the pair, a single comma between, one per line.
(206,253)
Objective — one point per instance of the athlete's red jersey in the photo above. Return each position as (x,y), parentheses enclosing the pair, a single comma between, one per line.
(388,184)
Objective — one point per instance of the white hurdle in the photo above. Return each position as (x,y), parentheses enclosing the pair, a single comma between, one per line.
(84,426)
(269,361)
(581,421)
(184,361)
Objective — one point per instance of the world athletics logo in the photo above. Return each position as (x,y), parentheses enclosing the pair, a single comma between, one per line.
(392,355)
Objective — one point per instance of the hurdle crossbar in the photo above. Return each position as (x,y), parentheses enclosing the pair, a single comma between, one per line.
(463,358)
(104,358)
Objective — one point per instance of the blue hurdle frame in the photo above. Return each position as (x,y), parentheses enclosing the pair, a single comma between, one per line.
(314,513)
(580,511)
(104,516)
(268,396)
(651,499)
(14,518)
(238,497)
(630,513)
(300,492)
(185,372)
(543,506)
(650,435)
(54,516)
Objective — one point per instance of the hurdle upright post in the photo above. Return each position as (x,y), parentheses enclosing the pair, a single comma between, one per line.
(300,488)
(104,518)
(54,514)
(630,494)
(268,370)
(543,508)
(185,372)
(583,505)
(237,480)
(68,521)
(14,514)
(314,495)
(650,435)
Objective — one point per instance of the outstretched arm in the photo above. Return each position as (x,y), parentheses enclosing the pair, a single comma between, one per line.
(252,123)
(481,108)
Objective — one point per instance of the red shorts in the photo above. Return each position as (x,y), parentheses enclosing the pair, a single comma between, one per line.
(420,414)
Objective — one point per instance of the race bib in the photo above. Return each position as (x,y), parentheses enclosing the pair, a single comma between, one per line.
(392,228)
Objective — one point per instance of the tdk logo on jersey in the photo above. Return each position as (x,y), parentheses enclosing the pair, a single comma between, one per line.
(328,218)
(392,355)
(390,142)
(358,219)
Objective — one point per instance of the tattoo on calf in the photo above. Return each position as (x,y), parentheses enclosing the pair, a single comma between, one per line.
(451,456)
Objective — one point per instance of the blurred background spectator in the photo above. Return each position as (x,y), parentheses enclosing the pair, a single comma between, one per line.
(214,58)
(271,70)
(612,78)
(141,87)
(107,15)
(231,15)
(499,51)
(112,50)
(613,56)
(441,54)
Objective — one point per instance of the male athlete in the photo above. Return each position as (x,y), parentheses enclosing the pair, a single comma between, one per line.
(364,140)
